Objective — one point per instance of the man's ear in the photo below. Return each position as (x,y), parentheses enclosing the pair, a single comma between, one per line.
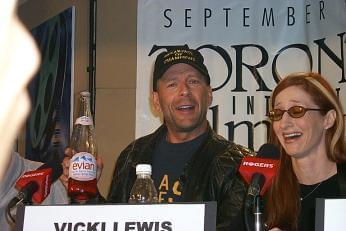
(156,101)
(210,96)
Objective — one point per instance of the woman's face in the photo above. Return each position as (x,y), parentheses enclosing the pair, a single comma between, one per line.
(302,136)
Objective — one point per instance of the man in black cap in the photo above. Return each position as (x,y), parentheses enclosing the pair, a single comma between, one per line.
(190,162)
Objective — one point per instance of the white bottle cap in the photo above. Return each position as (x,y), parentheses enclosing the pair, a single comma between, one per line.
(143,168)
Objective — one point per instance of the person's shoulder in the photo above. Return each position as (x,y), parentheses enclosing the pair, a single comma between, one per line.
(233,154)
(139,142)
(341,170)
(229,148)
(25,164)
(146,140)
(240,150)
(342,166)
(228,156)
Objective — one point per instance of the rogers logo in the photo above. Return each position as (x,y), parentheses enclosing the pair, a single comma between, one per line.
(257,164)
(33,174)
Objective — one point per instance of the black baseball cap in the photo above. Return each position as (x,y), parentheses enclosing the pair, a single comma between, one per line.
(168,58)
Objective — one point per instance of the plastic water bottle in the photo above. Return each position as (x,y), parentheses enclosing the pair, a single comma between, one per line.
(143,190)
(82,184)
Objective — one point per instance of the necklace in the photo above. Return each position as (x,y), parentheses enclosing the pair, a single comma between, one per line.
(302,198)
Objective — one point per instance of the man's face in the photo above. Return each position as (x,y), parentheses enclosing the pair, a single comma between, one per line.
(183,97)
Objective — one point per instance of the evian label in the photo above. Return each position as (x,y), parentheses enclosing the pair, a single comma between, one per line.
(83,167)
(84,120)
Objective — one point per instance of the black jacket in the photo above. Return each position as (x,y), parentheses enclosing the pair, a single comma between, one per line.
(210,175)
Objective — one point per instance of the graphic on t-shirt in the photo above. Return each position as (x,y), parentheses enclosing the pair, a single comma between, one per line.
(168,191)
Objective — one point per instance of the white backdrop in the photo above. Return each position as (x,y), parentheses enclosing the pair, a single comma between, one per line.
(248,46)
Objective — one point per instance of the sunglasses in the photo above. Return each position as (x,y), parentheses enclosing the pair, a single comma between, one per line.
(294,112)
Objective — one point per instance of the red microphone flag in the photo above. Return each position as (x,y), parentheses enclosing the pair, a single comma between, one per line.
(43,178)
(267,167)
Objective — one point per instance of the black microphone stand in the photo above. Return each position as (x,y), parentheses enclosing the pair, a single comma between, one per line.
(258,213)
(253,205)
(23,197)
(248,216)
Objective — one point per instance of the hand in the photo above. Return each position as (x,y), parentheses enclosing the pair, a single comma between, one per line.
(99,164)
(66,164)
(275,229)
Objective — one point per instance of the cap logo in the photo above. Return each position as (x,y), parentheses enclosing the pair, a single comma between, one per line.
(169,58)
(178,55)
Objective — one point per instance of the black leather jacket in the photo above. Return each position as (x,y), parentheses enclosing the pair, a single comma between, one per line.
(210,175)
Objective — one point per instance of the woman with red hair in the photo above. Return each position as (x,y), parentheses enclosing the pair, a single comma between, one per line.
(308,126)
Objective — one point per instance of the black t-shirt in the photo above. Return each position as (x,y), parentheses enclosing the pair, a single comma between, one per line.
(308,193)
(169,161)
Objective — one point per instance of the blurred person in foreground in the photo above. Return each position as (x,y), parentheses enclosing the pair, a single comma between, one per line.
(190,162)
(19,59)
(308,126)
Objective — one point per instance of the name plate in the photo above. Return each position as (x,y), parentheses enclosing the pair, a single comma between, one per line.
(119,217)
(330,214)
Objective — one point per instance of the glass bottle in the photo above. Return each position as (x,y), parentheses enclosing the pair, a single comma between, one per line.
(82,183)
(143,190)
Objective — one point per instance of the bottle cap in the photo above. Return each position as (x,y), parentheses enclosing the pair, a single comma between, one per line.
(143,168)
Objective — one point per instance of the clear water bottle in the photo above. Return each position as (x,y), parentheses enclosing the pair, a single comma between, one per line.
(143,190)
(82,184)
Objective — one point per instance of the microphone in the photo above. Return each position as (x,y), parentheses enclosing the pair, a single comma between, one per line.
(35,185)
(258,171)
